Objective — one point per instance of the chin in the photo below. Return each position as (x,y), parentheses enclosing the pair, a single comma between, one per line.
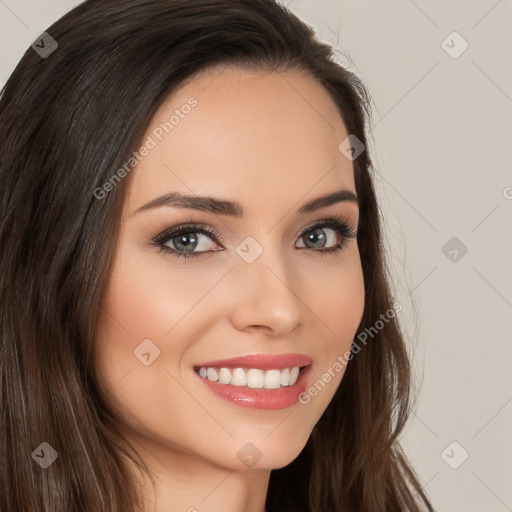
(267,453)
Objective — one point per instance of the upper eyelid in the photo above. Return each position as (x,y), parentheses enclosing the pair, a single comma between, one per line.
(188,227)
(326,220)
(192,226)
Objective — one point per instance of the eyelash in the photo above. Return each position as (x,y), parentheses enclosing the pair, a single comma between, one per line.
(340,226)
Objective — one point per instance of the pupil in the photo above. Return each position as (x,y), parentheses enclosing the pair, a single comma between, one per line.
(317,235)
(183,240)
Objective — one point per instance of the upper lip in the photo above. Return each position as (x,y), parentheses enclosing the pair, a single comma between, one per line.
(261,361)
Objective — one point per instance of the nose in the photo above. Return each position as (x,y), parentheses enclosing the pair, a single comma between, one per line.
(265,296)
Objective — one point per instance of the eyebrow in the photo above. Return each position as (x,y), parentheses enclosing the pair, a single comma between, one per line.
(234,209)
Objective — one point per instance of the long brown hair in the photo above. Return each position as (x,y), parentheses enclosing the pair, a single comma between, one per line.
(67,120)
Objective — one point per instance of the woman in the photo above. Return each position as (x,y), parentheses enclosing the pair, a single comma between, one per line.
(195,311)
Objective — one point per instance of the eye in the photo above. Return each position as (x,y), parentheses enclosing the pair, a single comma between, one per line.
(318,236)
(328,235)
(183,240)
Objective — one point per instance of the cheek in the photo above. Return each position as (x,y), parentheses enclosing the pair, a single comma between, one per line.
(340,307)
(340,301)
(135,307)
(142,306)
(150,298)
(146,299)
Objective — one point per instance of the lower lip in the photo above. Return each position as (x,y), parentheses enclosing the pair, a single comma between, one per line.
(268,399)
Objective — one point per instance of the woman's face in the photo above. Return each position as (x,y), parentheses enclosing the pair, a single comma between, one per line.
(258,282)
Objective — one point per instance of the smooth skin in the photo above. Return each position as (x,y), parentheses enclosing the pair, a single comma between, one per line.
(268,141)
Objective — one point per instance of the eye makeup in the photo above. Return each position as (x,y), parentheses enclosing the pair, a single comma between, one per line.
(339,225)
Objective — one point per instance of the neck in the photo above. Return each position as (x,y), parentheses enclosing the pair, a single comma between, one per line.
(187,483)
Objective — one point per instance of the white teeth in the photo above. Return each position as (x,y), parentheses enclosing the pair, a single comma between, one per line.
(272,379)
(224,376)
(254,378)
(294,373)
(285,377)
(212,374)
(238,377)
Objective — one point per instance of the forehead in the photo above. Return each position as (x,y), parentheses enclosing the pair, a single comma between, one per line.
(254,136)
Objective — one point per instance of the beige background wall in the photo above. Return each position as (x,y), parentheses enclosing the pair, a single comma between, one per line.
(442,149)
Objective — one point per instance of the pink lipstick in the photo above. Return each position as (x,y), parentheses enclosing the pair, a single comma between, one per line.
(262,381)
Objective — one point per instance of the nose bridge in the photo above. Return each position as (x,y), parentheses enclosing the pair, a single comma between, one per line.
(265,287)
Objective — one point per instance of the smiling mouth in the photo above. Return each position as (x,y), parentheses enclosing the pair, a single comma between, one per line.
(251,378)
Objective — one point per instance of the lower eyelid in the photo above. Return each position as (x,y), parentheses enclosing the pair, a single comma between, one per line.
(201,234)
(343,230)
